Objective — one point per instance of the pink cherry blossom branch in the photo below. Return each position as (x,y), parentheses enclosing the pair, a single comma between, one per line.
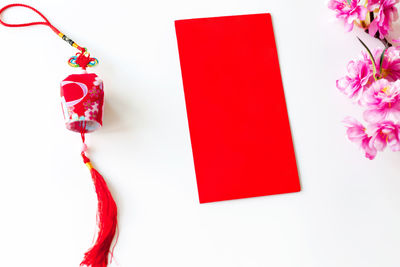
(373,80)
(385,42)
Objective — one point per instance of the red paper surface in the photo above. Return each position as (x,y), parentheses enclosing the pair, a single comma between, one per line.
(239,127)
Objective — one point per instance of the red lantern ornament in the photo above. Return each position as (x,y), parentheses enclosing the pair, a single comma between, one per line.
(82,101)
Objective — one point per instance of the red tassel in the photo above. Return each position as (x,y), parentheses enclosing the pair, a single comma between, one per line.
(97,256)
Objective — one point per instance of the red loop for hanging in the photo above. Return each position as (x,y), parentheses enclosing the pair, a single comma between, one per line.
(46,22)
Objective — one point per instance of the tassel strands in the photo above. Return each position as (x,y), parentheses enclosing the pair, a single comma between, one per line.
(98,255)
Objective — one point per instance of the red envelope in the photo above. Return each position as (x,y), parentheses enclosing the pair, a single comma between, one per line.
(238,122)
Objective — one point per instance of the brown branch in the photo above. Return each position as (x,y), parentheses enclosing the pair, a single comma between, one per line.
(384,41)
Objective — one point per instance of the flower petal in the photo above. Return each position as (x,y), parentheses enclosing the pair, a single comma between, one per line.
(374,115)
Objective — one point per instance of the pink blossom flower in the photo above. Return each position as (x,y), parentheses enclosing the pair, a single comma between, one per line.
(373,4)
(87,104)
(386,14)
(94,92)
(382,99)
(385,133)
(92,115)
(358,79)
(348,12)
(356,133)
(390,64)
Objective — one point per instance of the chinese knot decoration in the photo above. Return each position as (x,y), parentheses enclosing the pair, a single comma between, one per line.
(373,80)
(82,99)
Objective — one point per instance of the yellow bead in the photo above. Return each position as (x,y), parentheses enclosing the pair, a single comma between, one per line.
(89,165)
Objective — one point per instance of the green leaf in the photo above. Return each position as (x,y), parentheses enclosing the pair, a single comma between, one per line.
(349,2)
(371,57)
(381,61)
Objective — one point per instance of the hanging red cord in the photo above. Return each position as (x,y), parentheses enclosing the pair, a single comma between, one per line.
(46,22)
(89,108)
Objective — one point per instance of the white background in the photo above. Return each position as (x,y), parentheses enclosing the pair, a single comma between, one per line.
(347,214)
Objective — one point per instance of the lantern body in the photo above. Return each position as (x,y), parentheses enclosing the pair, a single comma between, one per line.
(82,100)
